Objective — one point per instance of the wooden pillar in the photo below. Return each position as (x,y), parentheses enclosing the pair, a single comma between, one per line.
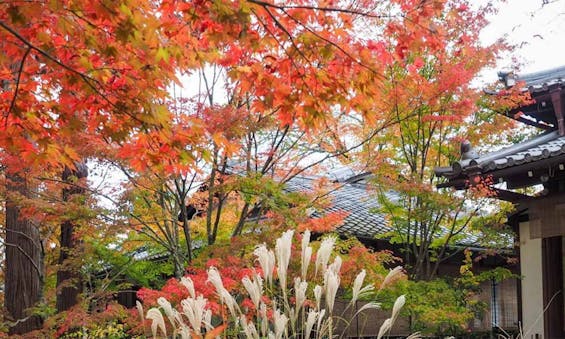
(24,261)
(556,98)
(514,223)
(68,277)
(552,268)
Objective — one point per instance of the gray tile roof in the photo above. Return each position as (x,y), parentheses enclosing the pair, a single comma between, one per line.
(543,78)
(356,200)
(536,81)
(543,146)
(361,204)
(539,113)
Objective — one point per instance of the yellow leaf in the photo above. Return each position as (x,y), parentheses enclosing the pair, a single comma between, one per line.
(161,114)
(71,153)
(125,9)
(218,139)
(43,37)
(162,54)
(85,62)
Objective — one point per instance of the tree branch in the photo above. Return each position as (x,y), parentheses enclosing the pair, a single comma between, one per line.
(26,255)
(317,8)
(89,81)
(20,71)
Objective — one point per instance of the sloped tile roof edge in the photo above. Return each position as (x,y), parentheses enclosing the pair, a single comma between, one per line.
(546,145)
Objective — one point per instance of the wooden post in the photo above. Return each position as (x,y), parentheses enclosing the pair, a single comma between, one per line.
(68,279)
(552,268)
(558,108)
(24,266)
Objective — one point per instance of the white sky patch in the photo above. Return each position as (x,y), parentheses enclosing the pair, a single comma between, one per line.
(195,85)
(107,183)
(537,31)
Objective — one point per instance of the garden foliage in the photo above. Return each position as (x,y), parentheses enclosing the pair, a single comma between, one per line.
(216,104)
(269,299)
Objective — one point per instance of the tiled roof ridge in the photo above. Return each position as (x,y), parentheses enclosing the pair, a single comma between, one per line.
(363,220)
(535,81)
(544,76)
(486,161)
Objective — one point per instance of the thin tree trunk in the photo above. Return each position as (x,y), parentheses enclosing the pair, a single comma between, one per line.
(211,187)
(24,267)
(242,217)
(178,262)
(69,283)
(218,216)
(186,230)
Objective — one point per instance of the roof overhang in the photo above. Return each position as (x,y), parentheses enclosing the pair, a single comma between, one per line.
(536,161)
(547,89)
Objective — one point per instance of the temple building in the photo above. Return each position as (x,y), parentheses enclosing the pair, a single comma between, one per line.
(539,218)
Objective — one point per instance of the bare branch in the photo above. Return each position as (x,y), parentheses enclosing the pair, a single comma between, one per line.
(34,264)
(318,8)
(20,71)
(89,81)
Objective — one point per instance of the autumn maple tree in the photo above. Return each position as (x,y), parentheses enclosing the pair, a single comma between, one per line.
(279,87)
(261,109)
(76,77)
(436,107)
(83,79)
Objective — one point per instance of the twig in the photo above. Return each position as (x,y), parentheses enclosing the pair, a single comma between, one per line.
(542,313)
(20,71)
(89,81)
(26,255)
(322,9)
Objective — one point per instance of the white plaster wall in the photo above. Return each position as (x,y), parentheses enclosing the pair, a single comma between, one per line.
(532,285)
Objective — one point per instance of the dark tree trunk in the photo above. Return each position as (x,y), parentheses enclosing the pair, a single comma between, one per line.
(24,267)
(69,284)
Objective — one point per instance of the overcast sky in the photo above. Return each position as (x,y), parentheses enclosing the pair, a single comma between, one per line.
(537,27)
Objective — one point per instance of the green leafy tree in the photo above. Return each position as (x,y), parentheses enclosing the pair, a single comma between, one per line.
(435,107)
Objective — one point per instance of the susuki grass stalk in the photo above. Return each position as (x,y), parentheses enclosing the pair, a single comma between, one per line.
(254,288)
(157,321)
(317,318)
(189,284)
(323,254)
(306,254)
(266,260)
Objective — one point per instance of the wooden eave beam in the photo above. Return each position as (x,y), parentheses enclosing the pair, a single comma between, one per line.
(556,99)
(458,184)
(501,194)
(510,196)
(515,182)
(534,123)
(524,168)
(541,117)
